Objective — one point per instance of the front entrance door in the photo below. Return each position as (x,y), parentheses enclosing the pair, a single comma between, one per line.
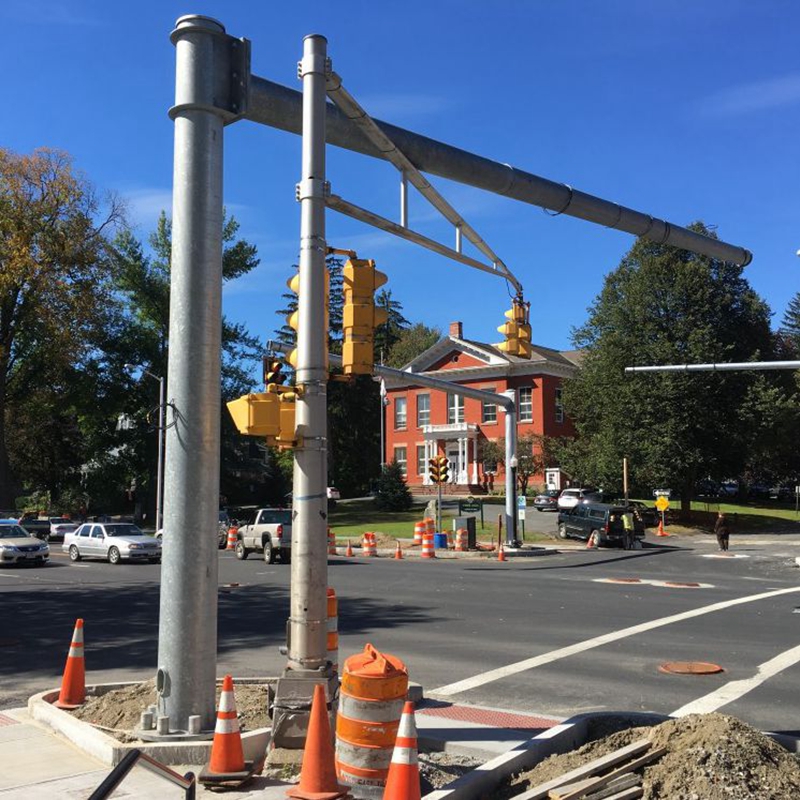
(455,461)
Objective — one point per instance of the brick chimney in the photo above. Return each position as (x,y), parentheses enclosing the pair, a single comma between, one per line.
(456,330)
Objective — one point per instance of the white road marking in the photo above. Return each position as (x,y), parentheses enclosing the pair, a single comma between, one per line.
(663,584)
(598,641)
(735,689)
(721,555)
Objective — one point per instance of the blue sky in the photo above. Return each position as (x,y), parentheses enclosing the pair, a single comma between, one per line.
(683,110)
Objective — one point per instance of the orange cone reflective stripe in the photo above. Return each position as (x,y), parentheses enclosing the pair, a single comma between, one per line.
(226,751)
(402,782)
(73,684)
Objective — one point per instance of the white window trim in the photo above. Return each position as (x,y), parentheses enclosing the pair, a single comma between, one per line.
(404,425)
(420,422)
(519,403)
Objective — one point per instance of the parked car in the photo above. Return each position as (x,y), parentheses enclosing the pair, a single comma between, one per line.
(569,498)
(35,525)
(547,500)
(113,541)
(59,528)
(599,519)
(17,546)
(270,532)
(333,496)
(224,523)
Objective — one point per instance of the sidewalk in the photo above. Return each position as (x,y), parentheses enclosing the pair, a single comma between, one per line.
(35,763)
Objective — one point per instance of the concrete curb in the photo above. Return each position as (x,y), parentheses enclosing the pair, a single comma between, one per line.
(104,747)
(408,553)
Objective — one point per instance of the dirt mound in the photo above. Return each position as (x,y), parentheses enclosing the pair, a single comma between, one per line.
(120,709)
(709,757)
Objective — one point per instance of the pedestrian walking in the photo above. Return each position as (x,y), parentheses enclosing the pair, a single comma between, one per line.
(723,531)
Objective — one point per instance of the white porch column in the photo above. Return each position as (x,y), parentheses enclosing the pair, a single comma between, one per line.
(475,459)
(462,472)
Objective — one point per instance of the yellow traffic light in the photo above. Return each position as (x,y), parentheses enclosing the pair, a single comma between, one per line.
(256,414)
(517,331)
(273,375)
(267,414)
(360,317)
(294,319)
(438,469)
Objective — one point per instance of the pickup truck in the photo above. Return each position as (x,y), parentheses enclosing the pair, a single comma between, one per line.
(269,532)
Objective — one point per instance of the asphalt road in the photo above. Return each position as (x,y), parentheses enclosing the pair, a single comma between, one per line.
(521,634)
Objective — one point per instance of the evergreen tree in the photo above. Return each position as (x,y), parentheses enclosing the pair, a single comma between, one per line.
(392,493)
(411,342)
(790,326)
(666,306)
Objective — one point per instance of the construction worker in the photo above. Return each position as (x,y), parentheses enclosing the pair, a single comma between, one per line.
(627,524)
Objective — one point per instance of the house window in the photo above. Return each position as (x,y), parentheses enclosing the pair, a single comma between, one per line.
(559,406)
(400,413)
(489,410)
(423,410)
(422,464)
(402,459)
(455,409)
(526,404)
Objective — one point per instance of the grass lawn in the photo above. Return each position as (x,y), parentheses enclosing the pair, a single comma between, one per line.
(352,519)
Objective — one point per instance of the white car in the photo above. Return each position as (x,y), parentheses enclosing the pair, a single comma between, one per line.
(113,541)
(60,527)
(569,498)
(17,546)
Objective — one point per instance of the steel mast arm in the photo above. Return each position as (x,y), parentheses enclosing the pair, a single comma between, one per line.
(281,107)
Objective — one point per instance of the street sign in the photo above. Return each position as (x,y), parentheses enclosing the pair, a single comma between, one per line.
(522,502)
(662,504)
(470,506)
(662,492)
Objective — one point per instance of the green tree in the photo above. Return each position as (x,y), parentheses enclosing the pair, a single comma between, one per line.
(56,297)
(535,452)
(790,326)
(392,491)
(388,334)
(665,306)
(412,342)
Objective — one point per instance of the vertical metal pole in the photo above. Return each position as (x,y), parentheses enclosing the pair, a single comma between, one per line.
(625,478)
(162,414)
(308,620)
(511,477)
(187,634)
(404,199)
(439,507)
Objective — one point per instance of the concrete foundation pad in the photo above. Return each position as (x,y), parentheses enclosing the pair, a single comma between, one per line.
(109,750)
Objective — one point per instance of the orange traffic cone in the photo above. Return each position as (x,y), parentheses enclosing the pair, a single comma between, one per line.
(349,551)
(73,684)
(402,782)
(227,764)
(591,542)
(661,531)
(501,554)
(398,553)
(318,775)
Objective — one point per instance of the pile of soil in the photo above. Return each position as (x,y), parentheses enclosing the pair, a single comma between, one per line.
(120,709)
(709,757)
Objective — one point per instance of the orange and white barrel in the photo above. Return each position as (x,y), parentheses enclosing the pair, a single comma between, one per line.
(331,543)
(419,530)
(449,540)
(461,539)
(430,525)
(333,628)
(374,686)
(233,534)
(369,546)
(428,550)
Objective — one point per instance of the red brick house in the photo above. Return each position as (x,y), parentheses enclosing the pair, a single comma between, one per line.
(421,422)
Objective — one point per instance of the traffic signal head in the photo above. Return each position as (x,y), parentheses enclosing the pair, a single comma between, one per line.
(294,318)
(360,317)
(273,374)
(438,469)
(266,414)
(517,331)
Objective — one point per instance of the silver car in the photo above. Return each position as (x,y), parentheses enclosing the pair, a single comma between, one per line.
(113,541)
(59,528)
(17,546)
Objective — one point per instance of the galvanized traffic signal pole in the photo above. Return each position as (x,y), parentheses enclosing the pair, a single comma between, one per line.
(307,649)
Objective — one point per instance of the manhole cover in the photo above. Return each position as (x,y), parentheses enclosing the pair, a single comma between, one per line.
(690,668)
(682,585)
(624,580)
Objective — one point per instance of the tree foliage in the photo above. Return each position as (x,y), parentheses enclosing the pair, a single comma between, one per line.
(392,491)
(668,306)
(56,304)
(410,343)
